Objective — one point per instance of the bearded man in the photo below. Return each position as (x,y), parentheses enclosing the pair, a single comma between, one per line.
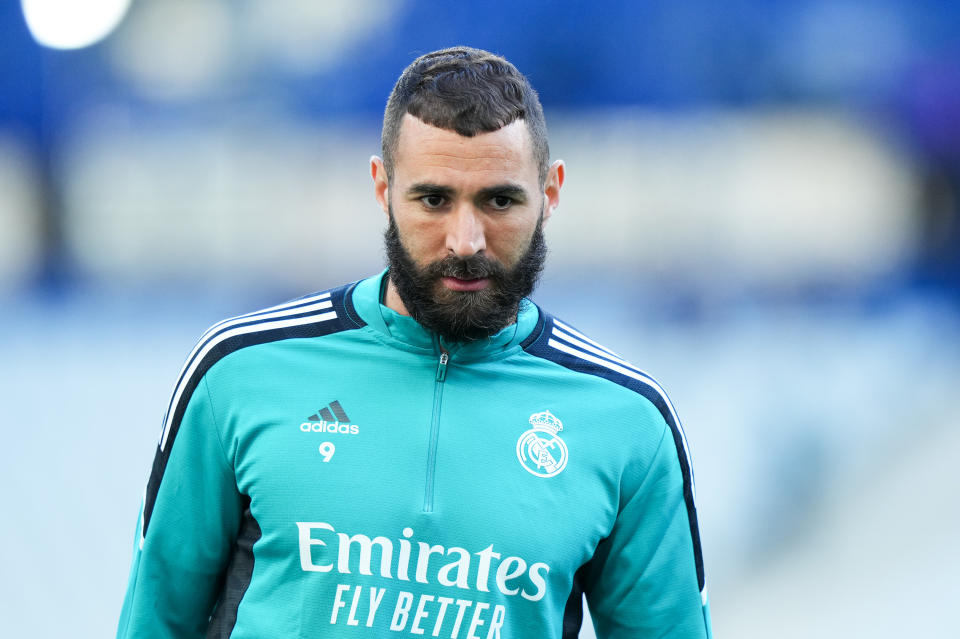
(424,451)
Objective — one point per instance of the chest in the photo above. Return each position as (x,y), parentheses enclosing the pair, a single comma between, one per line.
(490,466)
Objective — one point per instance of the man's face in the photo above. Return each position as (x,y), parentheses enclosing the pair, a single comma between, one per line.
(464,241)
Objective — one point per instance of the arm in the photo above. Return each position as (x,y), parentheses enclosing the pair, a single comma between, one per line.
(642,581)
(192,514)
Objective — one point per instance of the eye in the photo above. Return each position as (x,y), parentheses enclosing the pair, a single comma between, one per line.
(433,201)
(501,202)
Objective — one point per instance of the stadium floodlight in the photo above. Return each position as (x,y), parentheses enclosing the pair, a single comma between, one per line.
(72,24)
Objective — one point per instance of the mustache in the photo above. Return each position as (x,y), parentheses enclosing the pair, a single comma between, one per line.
(466,268)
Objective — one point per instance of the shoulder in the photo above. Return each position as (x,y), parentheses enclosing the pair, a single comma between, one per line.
(315,315)
(562,344)
(559,342)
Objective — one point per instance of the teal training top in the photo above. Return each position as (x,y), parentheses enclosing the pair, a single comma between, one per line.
(329,468)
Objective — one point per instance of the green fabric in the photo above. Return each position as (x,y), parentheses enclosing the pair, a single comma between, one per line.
(423,520)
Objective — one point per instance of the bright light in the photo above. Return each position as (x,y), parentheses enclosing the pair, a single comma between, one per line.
(72,24)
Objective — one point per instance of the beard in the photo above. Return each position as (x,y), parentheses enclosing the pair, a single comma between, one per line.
(464,316)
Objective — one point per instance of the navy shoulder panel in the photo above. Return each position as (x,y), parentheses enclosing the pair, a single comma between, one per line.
(558,342)
(309,316)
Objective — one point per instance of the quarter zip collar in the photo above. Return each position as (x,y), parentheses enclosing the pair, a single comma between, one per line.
(404,329)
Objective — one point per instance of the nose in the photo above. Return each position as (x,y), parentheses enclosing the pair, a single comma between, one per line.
(465,232)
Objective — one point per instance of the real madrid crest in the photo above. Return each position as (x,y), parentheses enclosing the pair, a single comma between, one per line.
(540,450)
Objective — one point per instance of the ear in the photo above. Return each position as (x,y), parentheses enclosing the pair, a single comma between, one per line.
(381,186)
(551,189)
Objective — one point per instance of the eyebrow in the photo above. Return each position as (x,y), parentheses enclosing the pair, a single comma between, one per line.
(514,191)
(428,188)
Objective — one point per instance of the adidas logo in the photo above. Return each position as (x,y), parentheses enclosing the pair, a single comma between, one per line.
(330,419)
(326,415)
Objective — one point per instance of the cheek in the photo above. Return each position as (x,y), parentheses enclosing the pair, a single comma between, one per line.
(509,241)
(424,240)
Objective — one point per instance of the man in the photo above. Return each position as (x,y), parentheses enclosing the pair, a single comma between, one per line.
(424,452)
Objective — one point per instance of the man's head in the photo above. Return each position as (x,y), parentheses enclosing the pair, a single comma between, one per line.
(466,188)
(468,91)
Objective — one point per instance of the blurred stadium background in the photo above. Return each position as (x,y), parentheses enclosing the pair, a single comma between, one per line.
(761,210)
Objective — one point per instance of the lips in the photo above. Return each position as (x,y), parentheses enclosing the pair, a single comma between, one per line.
(457,284)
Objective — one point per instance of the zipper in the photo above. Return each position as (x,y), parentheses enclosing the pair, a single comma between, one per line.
(435,429)
(442,366)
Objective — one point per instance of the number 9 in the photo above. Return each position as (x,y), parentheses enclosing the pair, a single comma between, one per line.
(327,449)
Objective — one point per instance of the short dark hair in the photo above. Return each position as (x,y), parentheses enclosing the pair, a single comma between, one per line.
(466,90)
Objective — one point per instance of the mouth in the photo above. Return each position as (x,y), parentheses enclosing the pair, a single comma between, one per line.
(457,284)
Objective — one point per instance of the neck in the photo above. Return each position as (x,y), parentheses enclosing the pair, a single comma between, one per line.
(392,299)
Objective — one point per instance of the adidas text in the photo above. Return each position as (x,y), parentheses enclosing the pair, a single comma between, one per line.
(330,427)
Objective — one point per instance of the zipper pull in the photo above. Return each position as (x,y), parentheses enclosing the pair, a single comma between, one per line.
(442,366)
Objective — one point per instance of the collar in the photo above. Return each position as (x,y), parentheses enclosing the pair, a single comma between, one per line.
(406,332)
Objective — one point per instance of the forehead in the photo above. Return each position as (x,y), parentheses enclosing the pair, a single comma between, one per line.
(426,152)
